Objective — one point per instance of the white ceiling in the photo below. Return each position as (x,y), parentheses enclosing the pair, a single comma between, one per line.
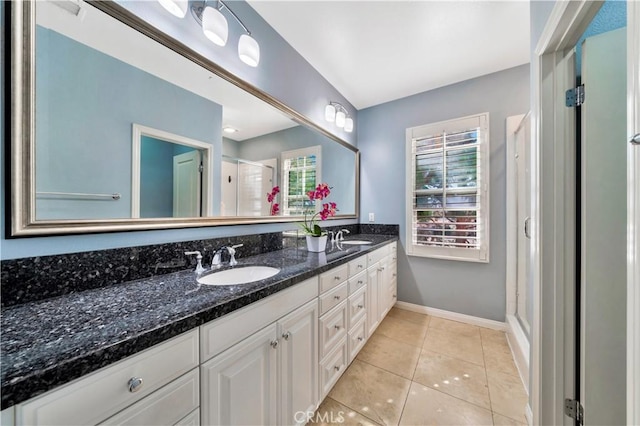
(377,51)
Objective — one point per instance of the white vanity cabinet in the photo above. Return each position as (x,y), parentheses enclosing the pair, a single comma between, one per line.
(162,377)
(382,284)
(266,376)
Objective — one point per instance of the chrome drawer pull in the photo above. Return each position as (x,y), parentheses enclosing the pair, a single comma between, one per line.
(135,384)
(337,367)
(274,344)
(336,278)
(337,327)
(360,306)
(360,339)
(286,335)
(336,297)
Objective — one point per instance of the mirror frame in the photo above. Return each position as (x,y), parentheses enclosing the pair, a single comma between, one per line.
(22,127)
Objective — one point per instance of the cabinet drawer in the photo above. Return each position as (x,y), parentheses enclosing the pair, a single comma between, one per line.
(357,266)
(333,328)
(331,298)
(357,306)
(166,406)
(332,367)
(357,282)
(357,338)
(96,397)
(334,277)
(377,255)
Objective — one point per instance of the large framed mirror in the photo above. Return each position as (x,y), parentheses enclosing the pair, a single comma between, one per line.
(116,126)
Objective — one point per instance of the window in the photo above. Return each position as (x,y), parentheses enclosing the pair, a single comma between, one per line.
(301,170)
(448,189)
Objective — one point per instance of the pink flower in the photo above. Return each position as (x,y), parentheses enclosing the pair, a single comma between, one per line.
(271,197)
(275,209)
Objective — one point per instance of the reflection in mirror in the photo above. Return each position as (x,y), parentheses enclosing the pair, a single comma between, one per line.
(126,128)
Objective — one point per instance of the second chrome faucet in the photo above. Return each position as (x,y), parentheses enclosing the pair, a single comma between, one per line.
(216,262)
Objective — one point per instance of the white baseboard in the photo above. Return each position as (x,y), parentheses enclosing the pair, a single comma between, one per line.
(519,348)
(453,316)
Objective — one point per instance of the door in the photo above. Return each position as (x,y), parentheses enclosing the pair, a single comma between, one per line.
(239,386)
(523,206)
(229,190)
(186,184)
(603,230)
(298,334)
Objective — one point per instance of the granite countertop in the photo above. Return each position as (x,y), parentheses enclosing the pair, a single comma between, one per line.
(48,343)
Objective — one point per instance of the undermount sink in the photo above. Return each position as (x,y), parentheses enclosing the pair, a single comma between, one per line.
(355,242)
(242,275)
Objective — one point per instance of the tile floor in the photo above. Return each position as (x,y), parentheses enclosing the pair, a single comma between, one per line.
(422,370)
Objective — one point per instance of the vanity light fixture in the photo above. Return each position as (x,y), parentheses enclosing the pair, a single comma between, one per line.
(177,8)
(215,27)
(338,113)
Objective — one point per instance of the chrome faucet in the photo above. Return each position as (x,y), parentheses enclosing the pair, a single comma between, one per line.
(340,236)
(199,268)
(216,262)
(333,237)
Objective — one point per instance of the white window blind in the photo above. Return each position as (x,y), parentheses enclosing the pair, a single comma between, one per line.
(447,189)
(301,170)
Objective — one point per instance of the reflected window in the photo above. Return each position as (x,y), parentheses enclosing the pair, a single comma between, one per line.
(301,170)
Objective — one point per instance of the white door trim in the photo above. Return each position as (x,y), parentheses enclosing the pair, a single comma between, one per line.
(633,215)
(553,206)
(566,23)
(207,163)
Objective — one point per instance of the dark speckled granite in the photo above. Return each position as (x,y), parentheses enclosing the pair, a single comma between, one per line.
(51,342)
(38,278)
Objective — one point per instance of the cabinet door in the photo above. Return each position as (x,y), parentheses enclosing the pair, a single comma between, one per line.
(239,386)
(372,296)
(298,335)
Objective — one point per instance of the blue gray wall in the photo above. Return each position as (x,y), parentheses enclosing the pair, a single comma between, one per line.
(282,72)
(86,146)
(465,287)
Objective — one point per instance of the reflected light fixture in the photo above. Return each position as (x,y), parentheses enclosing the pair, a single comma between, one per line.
(215,27)
(335,111)
(177,8)
(229,129)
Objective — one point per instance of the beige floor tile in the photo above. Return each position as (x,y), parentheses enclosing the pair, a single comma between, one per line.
(494,339)
(331,412)
(460,346)
(392,355)
(508,396)
(372,392)
(454,327)
(455,377)
(498,361)
(426,406)
(410,316)
(403,331)
(500,420)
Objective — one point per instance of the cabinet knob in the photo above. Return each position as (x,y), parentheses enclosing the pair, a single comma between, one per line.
(394,274)
(336,297)
(360,306)
(274,344)
(336,278)
(359,281)
(360,266)
(394,296)
(135,384)
(360,339)
(337,368)
(337,327)
(286,335)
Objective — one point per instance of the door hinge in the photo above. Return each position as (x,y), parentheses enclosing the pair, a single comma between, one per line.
(575,97)
(573,409)
(201,168)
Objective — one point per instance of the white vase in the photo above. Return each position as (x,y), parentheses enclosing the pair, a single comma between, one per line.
(316,244)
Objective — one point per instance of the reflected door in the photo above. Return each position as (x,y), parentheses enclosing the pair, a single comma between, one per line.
(523,203)
(186,184)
